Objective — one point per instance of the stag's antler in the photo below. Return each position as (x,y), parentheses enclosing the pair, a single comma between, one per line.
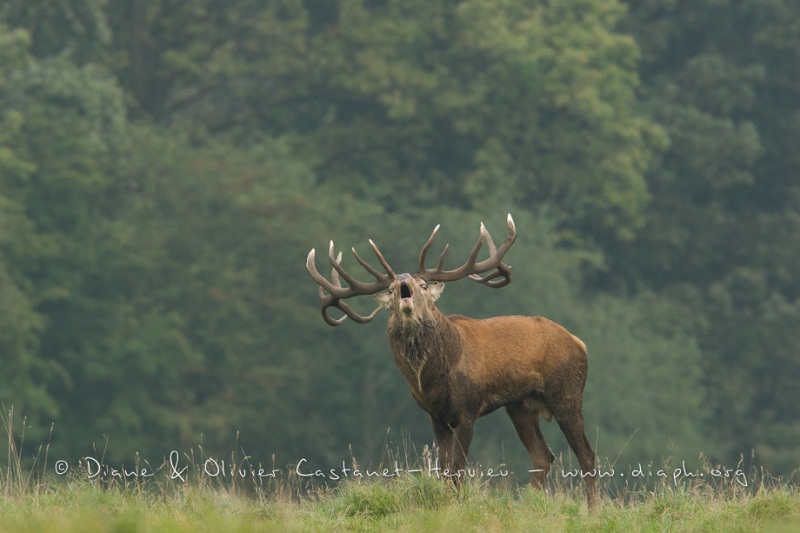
(471,268)
(331,293)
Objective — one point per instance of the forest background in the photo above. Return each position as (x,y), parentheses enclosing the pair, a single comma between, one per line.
(165,167)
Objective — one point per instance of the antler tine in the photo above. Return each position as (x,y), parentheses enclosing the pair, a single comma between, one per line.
(490,280)
(496,257)
(488,239)
(348,312)
(440,264)
(354,284)
(328,301)
(369,268)
(470,268)
(324,285)
(335,273)
(383,262)
(426,247)
(331,293)
(319,278)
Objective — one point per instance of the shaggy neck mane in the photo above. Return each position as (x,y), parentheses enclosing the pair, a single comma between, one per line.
(425,338)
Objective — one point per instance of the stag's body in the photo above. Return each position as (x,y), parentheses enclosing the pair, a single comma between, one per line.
(459,368)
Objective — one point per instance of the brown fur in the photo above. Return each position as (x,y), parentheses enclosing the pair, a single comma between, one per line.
(459,369)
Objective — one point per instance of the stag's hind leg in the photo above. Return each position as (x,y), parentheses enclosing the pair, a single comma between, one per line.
(570,419)
(526,422)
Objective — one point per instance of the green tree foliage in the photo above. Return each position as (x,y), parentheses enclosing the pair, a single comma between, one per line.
(19,247)
(504,103)
(722,78)
(166,166)
(75,27)
(196,302)
(414,103)
(63,131)
(216,66)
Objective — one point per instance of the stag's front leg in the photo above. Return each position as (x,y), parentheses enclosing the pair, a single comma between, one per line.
(453,442)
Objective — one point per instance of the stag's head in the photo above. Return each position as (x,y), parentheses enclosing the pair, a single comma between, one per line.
(408,297)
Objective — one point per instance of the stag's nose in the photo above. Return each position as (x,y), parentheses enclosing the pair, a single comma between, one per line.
(403,277)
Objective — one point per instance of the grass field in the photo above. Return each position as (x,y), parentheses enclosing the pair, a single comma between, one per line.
(409,504)
(38,501)
(38,494)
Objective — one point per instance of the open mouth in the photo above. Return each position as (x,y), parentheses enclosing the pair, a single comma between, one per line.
(405,290)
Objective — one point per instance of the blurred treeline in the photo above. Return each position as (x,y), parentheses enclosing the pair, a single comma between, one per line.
(165,167)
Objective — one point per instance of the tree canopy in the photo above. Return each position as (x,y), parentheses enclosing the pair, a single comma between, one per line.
(166,166)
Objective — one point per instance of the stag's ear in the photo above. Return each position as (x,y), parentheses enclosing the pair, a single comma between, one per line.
(384,299)
(435,288)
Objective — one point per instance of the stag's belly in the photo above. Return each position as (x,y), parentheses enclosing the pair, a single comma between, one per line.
(457,395)
(532,402)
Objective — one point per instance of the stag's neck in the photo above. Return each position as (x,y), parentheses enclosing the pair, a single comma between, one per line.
(431,335)
(430,343)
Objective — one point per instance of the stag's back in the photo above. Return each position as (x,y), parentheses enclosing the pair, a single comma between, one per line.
(520,354)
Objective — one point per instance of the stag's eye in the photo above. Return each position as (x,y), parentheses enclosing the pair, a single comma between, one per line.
(423,285)
(390,291)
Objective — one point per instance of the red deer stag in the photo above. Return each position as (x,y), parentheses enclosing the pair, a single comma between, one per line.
(459,368)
